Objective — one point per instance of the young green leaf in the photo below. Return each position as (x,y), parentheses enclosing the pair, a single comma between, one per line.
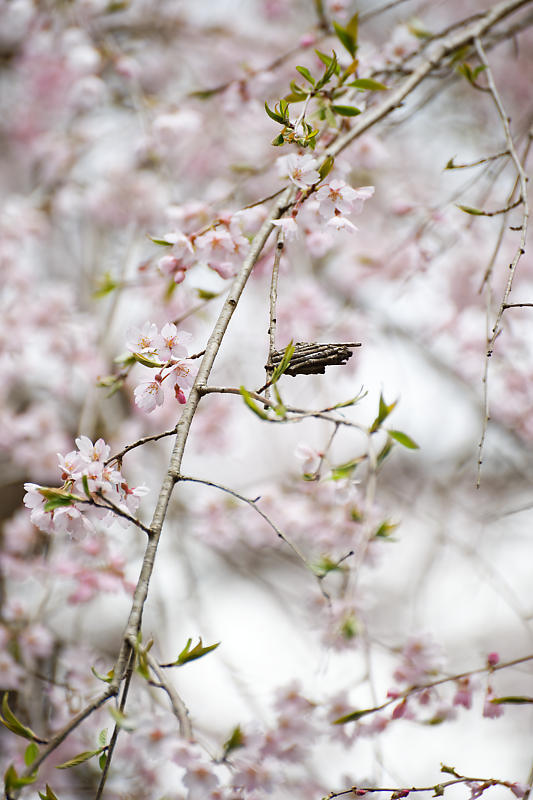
(368,84)
(274,115)
(198,651)
(404,439)
(346,39)
(306,74)
(105,678)
(147,362)
(383,412)
(161,242)
(352,716)
(512,699)
(50,795)
(31,753)
(12,781)
(346,111)
(469,210)
(234,741)
(79,759)
(252,405)
(284,363)
(10,721)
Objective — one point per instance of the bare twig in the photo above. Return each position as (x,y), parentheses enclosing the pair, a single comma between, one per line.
(522,182)
(178,706)
(253,504)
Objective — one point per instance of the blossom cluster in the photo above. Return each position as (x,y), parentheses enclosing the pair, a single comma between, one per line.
(93,487)
(165,351)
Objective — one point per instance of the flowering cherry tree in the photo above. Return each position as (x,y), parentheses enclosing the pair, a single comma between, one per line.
(266,415)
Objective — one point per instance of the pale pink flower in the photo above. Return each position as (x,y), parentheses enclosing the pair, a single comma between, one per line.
(421,658)
(310,458)
(148,395)
(301,170)
(289,227)
(463,694)
(200,778)
(141,340)
(184,373)
(170,343)
(89,452)
(341,223)
(490,709)
(336,196)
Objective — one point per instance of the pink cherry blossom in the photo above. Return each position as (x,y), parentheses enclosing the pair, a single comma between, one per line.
(148,395)
(142,340)
(301,170)
(170,343)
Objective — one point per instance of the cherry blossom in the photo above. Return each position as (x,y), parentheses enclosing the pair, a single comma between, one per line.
(301,170)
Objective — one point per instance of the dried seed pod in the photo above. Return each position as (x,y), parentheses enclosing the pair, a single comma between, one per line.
(310,358)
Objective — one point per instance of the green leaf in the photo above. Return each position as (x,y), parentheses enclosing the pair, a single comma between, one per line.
(384,452)
(252,405)
(147,362)
(385,530)
(284,363)
(353,716)
(79,759)
(362,394)
(161,242)
(234,741)
(105,678)
(325,564)
(102,737)
(85,484)
(346,39)
(274,115)
(346,111)
(353,26)
(106,284)
(383,412)
(332,67)
(12,781)
(10,721)
(58,498)
(404,439)
(50,795)
(204,294)
(278,141)
(121,720)
(470,210)
(326,167)
(31,753)
(367,84)
(102,761)
(345,470)
(198,651)
(513,700)
(416,28)
(306,74)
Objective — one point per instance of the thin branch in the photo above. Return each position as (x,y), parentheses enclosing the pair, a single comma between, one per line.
(178,706)
(412,690)
(184,424)
(437,788)
(152,438)
(252,504)
(522,182)
(116,729)
(273,300)
(484,160)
